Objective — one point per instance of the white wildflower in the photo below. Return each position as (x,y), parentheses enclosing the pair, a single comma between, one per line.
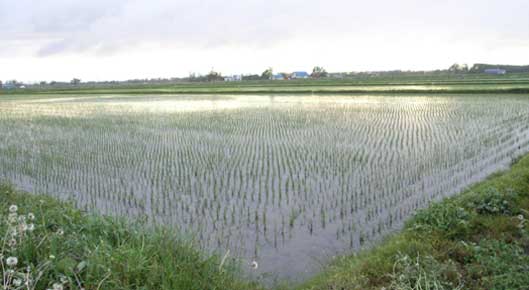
(31,216)
(254,265)
(12,243)
(12,261)
(520,217)
(57,286)
(31,227)
(17,282)
(60,232)
(13,208)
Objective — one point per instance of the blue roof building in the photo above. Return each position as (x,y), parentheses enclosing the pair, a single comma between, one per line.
(495,71)
(8,86)
(300,75)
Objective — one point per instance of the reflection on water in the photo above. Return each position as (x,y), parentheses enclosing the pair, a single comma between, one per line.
(288,181)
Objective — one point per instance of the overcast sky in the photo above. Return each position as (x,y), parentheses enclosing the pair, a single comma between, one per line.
(124,39)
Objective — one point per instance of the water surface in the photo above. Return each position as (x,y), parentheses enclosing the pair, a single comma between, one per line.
(287,181)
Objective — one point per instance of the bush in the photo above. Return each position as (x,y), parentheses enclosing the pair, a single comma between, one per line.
(499,265)
(447,217)
(492,201)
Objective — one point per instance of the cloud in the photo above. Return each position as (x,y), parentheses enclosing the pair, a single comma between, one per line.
(60,26)
(79,26)
(196,34)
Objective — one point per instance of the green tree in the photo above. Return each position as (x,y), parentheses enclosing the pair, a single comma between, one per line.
(267,74)
(318,72)
(254,77)
(214,76)
(458,68)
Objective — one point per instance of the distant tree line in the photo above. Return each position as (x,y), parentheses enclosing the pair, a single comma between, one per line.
(318,72)
(481,67)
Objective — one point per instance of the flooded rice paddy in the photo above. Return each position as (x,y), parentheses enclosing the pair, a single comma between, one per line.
(287,181)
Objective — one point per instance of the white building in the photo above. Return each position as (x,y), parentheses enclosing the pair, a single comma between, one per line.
(278,77)
(233,78)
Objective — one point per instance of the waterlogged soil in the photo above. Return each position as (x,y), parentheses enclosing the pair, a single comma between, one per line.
(286,181)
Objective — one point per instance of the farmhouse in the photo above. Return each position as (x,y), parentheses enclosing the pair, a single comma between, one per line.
(233,78)
(278,77)
(299,75)
(495,71)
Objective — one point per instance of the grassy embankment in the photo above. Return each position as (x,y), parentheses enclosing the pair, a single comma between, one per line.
(438,84)
(75,250)
(476,240)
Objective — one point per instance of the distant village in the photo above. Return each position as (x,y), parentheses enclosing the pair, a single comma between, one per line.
(277,77)
(317,73)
